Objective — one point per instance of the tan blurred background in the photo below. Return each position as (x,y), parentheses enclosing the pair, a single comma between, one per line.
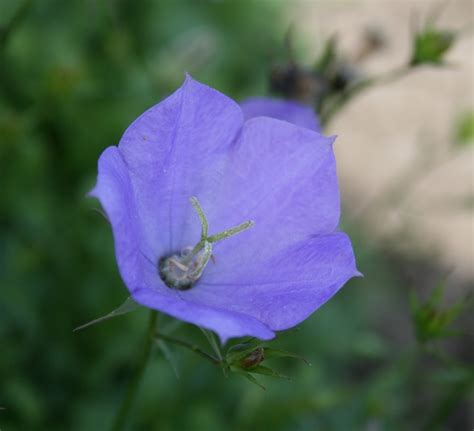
(399,172)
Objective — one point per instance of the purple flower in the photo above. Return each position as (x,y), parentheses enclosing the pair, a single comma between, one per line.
(293,112)
(225,223)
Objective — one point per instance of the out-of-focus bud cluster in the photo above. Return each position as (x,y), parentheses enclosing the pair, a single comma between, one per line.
(431,320)
(335,78)
(332,74)
(296,82)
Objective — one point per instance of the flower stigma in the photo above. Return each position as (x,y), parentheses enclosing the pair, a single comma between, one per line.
(181,270)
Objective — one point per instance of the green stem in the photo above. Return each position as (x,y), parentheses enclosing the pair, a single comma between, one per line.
(194,348)
(127,403)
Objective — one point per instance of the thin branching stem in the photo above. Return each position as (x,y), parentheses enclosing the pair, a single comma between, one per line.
(340,100)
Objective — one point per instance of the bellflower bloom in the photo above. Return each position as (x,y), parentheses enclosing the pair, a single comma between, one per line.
(291,111)
(223,222)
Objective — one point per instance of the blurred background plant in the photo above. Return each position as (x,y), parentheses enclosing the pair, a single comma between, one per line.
(72,76)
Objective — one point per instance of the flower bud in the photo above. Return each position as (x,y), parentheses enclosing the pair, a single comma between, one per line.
(253,359)
(430,46)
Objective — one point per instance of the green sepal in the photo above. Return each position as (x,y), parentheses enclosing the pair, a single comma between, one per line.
(249,377)
(266,371)
(278,353)
(127,307)
(169,356)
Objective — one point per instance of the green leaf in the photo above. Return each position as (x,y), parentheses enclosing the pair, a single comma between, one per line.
(437,295)
(128,306)
(328,57)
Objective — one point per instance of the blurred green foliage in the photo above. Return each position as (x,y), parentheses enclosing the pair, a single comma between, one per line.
(465,129)
(73,75)
(431,320)
(430,46)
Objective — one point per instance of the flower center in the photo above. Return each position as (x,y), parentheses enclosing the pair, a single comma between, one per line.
(181,270)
